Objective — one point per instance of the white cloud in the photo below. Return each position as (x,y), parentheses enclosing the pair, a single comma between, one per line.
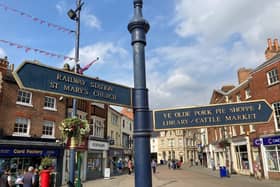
(215,20)
(185,75)
(61,7)
(90,20)
(106,51)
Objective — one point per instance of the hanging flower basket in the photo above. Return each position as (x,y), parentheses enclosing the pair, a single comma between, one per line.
(46,162)
(74,127)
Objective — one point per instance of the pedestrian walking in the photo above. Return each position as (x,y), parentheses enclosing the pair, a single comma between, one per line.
(120,166)
(6,180)
(19,182)
(212,164)
(169,164)
(191,164)
(154,166)
(257,171)
(129,165)
(28,179)
(36,178)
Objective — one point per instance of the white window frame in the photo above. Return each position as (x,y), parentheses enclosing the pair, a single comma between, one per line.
(276,150)
(48,123)
(276,107)
(252,128)
(233,131)
(98,127)
(248,93)
(114,119)
(272,77)
(54,103)
(21,102)
(21,120)
(238,98)
(241,129)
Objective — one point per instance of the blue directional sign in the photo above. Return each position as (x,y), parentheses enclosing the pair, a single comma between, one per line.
(242,113)
(38,77)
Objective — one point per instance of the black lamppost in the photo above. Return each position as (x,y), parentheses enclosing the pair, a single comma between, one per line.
(138,27)
(74,15)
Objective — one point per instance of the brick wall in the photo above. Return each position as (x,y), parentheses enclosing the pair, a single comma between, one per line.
(37,114)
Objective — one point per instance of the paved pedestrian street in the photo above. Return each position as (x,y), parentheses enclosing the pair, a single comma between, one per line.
(185,177)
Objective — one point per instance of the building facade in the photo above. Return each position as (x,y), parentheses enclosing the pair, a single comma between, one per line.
(243,147)
(28,125)
(114,135)
(179,145)
(127,133)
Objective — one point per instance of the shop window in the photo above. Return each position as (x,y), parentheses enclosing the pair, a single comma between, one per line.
(48,129)
(50,103)
(276,107)
(273,158)
(272,77)
(242,157)
(21,127)
(24,98)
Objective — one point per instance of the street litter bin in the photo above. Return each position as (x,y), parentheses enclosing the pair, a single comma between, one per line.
(223,171)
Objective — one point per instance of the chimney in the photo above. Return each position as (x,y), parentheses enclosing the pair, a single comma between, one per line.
(272,49)
(269,44)
(4,65)
(276,45)
(243,74)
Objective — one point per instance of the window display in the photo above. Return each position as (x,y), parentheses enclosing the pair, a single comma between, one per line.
(272,157)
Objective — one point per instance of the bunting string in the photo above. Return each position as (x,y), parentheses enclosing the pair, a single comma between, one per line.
(35,19)
(40,51)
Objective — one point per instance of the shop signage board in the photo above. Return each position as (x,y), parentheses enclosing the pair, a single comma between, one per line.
(274,140)
(241,113)
(28,152)
(39,77)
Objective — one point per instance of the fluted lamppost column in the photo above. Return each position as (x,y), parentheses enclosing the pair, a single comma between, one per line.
(138,27)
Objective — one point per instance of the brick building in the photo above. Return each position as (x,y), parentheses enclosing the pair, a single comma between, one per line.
(28,125)
(243,147)
(29,130)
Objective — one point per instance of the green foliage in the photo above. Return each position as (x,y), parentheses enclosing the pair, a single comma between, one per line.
(74,127)
(46,162)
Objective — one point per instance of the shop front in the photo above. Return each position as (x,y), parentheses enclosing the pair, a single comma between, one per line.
(96,159)
(115,155)
(22,154)
(241,156)
(270,148)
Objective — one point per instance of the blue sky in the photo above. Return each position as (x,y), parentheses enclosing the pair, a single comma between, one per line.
(193,46)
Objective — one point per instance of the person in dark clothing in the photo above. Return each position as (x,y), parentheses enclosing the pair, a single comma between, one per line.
(36,178)
(5,180)
(28,178)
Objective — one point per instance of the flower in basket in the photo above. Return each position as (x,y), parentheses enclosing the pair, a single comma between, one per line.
(74,127)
